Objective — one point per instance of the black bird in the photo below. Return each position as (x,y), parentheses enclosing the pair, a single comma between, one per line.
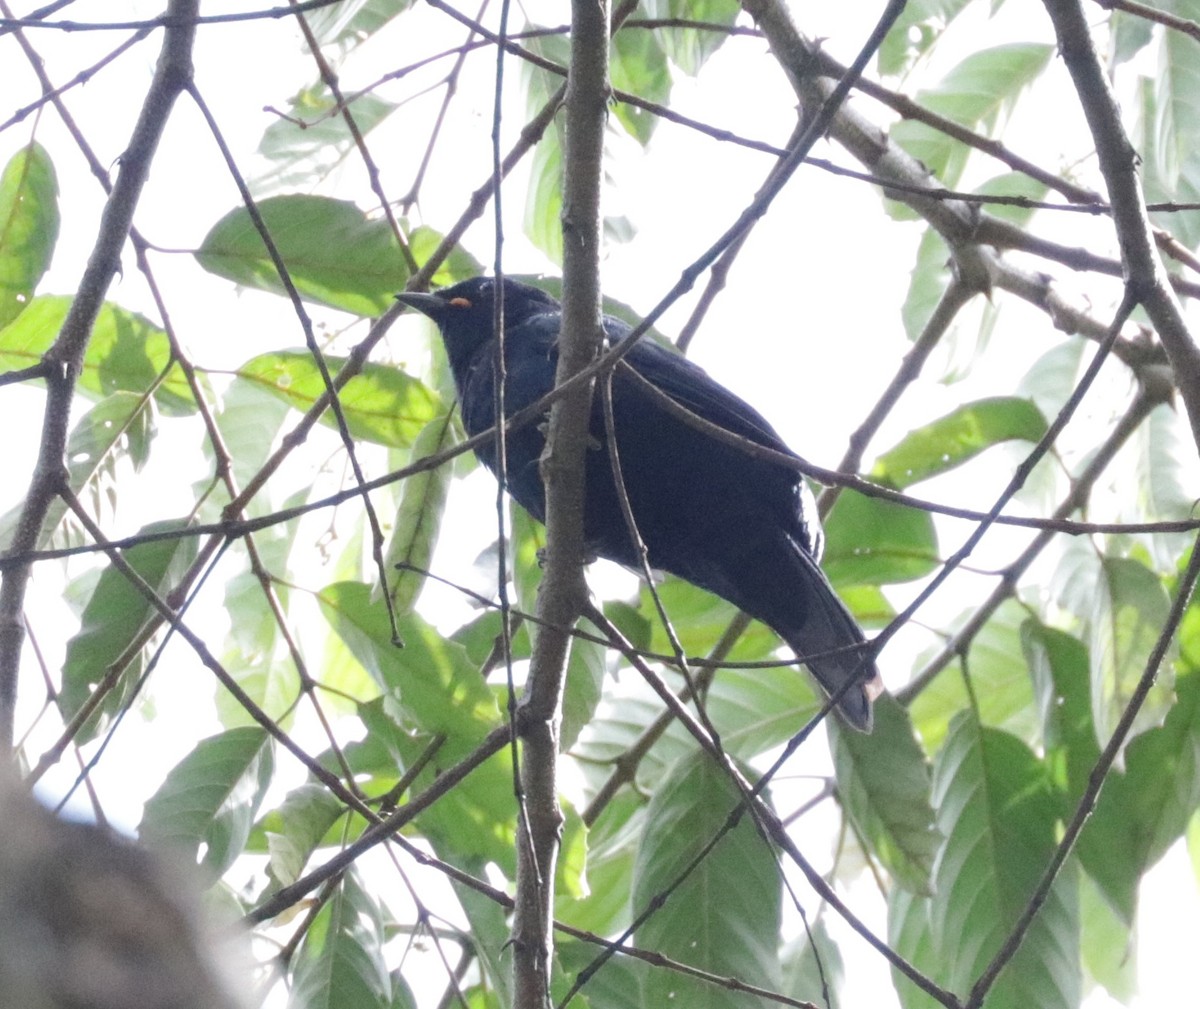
(743,528)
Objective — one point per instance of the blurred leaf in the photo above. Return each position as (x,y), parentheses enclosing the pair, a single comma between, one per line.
(419,515)
(339,963)
(312,138)
(910,933)
(998,813)
(126,353)
(1129,608)
(350,22)
(915,32)
(120,426)
(883,782)
(1129,34)
(1143,811)
(1001,688)
(1107,944)
(114,614)
(725,916)
(293,831)
(209,799)
(981,89)
(29,220)
(813,967)
(381,404)
(616,985)
(430,681)
(1177,165)
(639,65)
(689,48)
(700,620)
(334,253)
(956,438)
(1058,664)
(543,202)
(930,274)
(876,542)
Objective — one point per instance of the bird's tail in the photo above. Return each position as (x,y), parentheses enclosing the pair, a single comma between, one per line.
(829,641)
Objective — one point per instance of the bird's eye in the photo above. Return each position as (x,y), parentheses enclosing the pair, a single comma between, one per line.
(460,302)
(485,288)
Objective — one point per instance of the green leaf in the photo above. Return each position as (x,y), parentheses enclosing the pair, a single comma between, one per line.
(813,968)
(976,93)
(883,781)
(126,353)
(1001,688)
(1143,811)
(29,220)
(959,436)
(334,253)
(725,915)
(210,798)
(419,515)
(381,404)
(1129,608)
(689,48)
(700,620)
(120,426)
(434,686)
(1058,664)
(312,138)
(639,65)
(1107,944)
(915,32)
(876,542)
(910,933)
(295,829)
(339,964)
(352,22)
(111,619)
(543,202)
(1177,165)
(998,813)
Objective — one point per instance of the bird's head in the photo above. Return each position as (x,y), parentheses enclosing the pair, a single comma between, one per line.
(465,313)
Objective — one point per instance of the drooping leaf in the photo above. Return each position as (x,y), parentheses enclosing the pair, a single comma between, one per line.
(958,437)
(112,617)
(312,139)
(639,65)
(876,542)
(1129,608)
(419,515)
(29,220)
(983,87)
(381,404)
(293,831)
(883,780)
(353,21)
(916,30)
(689,48)
(1001,687)
(1144,810)
(725,916)
(210,798)
(334,253)
(998,813)
(432,684)
(126,353)
(339,963)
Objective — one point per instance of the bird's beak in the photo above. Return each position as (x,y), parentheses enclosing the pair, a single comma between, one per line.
(427,304)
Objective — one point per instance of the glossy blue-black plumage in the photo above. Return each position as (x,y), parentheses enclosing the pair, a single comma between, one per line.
(741,527)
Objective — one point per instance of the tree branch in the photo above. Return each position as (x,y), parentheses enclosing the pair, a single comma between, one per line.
(65,357)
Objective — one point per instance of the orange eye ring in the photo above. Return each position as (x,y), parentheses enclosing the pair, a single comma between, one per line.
(460,302)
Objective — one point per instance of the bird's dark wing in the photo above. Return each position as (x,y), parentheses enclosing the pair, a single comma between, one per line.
(692,387)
